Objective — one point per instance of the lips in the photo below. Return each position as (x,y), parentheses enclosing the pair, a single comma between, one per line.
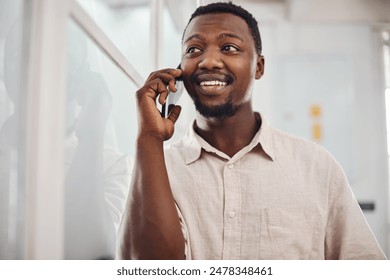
(210,84)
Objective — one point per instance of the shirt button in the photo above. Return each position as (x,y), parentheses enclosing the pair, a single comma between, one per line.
(230,166)
(232,214)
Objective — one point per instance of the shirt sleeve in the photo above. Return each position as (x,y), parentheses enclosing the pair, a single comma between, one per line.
(348,235)
(117,178)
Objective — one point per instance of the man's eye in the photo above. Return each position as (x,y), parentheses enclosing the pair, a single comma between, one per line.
(229,48)
(193,50)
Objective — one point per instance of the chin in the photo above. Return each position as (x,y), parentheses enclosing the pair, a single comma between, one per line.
(215,111)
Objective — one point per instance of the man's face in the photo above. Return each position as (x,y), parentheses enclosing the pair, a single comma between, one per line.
(219,64)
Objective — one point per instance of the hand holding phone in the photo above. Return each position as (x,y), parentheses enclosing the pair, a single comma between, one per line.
(173,97)
(150,98)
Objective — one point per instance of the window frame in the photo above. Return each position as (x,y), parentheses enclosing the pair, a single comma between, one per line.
(44,155)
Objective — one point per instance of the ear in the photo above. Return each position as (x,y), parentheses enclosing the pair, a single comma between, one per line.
(259,67)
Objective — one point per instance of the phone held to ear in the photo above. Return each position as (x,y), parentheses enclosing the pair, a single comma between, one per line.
(173,97)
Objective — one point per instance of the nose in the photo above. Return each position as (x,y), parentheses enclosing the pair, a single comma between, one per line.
(211,59)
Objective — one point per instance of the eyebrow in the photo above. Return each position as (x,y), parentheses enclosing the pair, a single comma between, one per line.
(219,37)
(195,36)
(229,35)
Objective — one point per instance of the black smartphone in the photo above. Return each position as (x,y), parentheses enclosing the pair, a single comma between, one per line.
(173,97)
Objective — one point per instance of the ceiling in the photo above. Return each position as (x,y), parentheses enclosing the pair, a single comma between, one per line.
(298,11)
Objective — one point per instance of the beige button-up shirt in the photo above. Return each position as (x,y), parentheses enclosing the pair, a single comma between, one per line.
(281,197)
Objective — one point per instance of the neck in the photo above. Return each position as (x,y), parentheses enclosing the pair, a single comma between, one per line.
(231,134)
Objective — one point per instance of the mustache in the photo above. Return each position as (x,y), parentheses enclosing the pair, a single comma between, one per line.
(219,75)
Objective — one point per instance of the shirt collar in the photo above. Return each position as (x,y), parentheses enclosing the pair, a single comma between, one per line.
(194,144)
(264,137)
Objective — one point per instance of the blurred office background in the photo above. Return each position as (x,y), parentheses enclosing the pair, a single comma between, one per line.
(68,73)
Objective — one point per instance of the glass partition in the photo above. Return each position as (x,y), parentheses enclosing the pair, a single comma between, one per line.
(13,42)
(128,26)
(100,133)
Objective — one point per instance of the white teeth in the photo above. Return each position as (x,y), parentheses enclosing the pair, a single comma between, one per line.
(212,83)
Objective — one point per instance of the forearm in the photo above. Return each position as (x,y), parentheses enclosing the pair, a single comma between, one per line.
(150,226)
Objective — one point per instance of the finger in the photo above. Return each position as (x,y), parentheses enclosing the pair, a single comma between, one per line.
(172,85)
(169,73)
(168,81)
(153,89)
(174,114)
(163,96)
(170,88)
(174,72)
(167,76)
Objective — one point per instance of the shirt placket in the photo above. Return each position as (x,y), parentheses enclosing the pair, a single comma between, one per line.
(232,211)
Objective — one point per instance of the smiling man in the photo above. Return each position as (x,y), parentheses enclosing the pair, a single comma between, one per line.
(233,187)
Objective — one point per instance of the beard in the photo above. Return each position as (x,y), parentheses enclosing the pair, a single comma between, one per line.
(219,111)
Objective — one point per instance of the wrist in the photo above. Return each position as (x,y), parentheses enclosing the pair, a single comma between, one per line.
(148,140)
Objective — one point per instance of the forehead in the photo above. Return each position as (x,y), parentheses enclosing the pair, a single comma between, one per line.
(218,23)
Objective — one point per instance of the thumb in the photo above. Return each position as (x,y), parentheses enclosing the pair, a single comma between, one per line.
(174,114)
(170,121)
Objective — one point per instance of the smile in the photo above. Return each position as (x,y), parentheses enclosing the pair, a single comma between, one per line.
(213,83)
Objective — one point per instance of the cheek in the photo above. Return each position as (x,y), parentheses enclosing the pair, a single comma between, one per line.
(187,83)
(188,69)
(243,66)
(187,66)
(245,75)
(188,86)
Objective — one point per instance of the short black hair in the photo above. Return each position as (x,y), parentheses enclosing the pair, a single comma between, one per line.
(229,7)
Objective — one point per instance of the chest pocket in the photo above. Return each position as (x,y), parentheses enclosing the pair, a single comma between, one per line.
(289,234)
